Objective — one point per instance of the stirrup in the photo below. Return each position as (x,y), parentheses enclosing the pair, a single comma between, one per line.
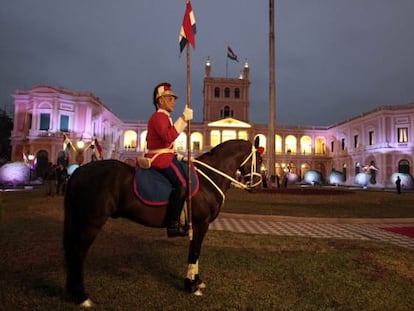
(175,231)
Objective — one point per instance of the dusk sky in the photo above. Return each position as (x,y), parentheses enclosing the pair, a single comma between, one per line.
(335,59)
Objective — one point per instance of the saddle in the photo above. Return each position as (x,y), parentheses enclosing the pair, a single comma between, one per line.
(153,189)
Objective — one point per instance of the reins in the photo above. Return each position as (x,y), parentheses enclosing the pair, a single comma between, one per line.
(234,181)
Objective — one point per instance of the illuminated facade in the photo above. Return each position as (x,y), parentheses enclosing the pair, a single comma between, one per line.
(382,138)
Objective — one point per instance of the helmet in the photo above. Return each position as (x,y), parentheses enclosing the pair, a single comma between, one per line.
(162,89)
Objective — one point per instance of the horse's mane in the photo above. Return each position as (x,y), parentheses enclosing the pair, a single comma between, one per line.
(229,147)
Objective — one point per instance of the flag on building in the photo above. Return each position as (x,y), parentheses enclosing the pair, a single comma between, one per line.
(66,143)
(231,54)
(188,28)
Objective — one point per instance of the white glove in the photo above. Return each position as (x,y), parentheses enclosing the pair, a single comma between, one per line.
(187,114)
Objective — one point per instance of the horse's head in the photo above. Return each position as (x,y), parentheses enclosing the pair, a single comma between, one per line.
(250,168)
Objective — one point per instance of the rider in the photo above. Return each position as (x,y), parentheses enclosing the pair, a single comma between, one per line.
(162,133)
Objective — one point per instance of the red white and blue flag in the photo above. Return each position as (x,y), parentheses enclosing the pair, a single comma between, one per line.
(231,54)
(188,28)
(66,142)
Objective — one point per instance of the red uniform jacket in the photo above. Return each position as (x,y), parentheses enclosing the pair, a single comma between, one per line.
(161,134)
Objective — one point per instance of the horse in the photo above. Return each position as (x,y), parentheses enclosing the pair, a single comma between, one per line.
(103,189)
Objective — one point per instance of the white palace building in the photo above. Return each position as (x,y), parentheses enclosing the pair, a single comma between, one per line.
(379,142)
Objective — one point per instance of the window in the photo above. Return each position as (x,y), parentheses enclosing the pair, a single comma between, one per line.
(242,135)
(320,145)
(29,121)
(404,166)
(306,145)
(228,134)
(403,135)
(196,146)
(214,138)
(227,112)
(290,144)
(236,92)
(217,92)
(332,146)
(227,92)
(371,138)
(357,168)
(343,144)
(355,141)
(44,121)
(64,123)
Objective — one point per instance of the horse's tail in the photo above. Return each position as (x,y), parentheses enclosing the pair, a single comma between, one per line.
(68,217)
(71,247)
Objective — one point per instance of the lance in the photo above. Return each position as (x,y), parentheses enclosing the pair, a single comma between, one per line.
(189,210)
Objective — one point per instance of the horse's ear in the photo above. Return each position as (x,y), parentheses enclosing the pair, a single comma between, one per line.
(256,142)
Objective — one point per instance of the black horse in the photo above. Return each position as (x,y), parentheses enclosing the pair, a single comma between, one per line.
(103,189)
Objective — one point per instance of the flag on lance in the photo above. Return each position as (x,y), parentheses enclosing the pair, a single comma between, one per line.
(188,28)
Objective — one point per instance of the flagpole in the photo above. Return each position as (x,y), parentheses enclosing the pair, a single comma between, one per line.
(227,65)
(189,211)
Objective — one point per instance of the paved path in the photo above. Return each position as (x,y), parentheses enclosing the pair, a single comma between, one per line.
(355,229)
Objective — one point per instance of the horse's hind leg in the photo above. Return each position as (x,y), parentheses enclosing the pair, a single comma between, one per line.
(76,249)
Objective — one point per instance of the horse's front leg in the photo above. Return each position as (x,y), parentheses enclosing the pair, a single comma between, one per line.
(192,281)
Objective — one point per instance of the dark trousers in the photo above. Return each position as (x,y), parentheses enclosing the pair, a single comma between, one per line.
(178,195)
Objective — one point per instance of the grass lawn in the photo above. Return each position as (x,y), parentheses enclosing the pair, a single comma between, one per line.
(131,267)
(311,202)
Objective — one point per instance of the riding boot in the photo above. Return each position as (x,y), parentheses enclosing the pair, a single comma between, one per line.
(175,206)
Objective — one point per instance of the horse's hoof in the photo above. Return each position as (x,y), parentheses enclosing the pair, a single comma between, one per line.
(202,285)
(198,292)
(87,304)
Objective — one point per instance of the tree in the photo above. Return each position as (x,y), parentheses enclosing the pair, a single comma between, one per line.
(6,126)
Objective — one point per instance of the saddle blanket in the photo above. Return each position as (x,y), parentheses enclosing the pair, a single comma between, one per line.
(152,188)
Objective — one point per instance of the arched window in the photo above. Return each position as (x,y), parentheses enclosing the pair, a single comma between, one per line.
(217,92)
(278,144)
(226,112)
(236,92)
(320,145)
(215,138)
(404,167)
(130,139)
(357,168)
(227,92)
(304,168)
(290,144)
(143,141)
(180,144)
(306,145)
(227,135)
(196,141)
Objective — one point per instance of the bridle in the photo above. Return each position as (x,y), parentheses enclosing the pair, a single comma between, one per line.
(253,169)
(248,186)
